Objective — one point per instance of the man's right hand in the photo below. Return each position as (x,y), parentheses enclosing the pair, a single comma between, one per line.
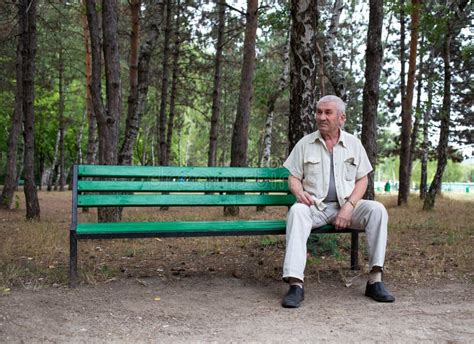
(305,198)
(296,188)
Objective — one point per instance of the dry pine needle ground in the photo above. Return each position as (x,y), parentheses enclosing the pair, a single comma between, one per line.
(422,246)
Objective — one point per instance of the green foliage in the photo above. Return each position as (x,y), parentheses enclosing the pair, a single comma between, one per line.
(60,33)
(271,241)
(388,168)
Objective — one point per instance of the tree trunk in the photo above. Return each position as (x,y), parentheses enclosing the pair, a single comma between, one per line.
(426,122)
(79,154)
(127,159)
(79,135)
(61,176)
(216,93)
(109,121)
(54,165)
(152,29)
(241,125)
(161,123)
(321,91)
(416,125)
(267,137)
(407,103)
(11,176)
(435,186)
(304,16)
(330,58)
(373,67)
(27,17)
(174,85)
(96,66)
(91,120)
(283,83)
(352,34)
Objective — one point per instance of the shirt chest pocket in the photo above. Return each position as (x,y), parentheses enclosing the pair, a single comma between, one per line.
(312,170)
(350,169)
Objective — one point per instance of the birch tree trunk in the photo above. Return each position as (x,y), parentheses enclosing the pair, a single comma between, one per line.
(217,87)
(373,67)
(330,58)
(407,103)
(11,176)
(267,138)
(153,17)
(79,135)
(240,132)
(27,18)
(303,71)
(283,83)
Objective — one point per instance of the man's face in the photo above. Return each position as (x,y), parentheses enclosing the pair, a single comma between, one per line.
(327,119)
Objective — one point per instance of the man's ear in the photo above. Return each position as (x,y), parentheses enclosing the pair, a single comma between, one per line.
(342,118)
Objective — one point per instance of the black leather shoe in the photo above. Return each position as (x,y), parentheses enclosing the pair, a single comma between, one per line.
(294,297)
(378,292)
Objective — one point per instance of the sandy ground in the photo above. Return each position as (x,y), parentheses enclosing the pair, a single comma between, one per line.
(226,309)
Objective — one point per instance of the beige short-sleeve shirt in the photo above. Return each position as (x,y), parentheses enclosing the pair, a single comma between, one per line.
(309,161)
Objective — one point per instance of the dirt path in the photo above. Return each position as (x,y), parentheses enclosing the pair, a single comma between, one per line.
(234,310)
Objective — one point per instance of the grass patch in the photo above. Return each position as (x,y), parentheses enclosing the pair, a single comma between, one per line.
(272,241)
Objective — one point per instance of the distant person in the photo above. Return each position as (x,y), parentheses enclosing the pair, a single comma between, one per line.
(387,186)
(328,176)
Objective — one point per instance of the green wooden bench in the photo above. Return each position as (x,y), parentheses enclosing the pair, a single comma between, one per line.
(145,186)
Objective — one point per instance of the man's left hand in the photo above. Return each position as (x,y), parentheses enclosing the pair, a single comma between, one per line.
(344,216)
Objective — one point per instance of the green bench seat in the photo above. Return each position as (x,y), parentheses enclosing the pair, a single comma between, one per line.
(163,186)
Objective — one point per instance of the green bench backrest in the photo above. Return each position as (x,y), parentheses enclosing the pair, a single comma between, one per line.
(100,186)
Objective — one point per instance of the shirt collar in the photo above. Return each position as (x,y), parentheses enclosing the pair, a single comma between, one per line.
(342,137)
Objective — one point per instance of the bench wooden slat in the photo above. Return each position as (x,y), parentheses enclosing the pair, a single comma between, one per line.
(183,172)
(182,200)
(182,186)
(189,227)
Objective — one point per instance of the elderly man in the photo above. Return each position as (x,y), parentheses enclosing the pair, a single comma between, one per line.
(329,171)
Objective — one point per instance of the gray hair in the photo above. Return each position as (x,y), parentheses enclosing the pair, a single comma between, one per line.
(340,105)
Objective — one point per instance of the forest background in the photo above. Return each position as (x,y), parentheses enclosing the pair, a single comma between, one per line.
(199,82)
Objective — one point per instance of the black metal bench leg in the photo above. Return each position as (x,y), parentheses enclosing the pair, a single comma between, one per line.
(72,260)
(355,250)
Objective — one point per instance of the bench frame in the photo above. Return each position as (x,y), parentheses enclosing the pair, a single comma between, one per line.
(277,229)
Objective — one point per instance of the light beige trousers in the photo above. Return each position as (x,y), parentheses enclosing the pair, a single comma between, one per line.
(369,215)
